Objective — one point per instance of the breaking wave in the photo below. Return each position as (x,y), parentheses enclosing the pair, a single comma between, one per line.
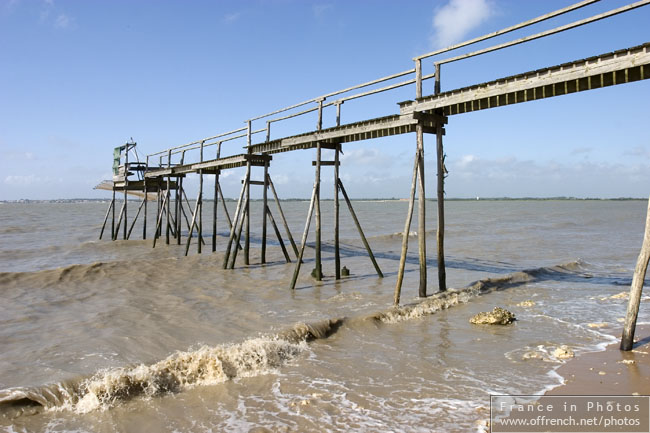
(213,365)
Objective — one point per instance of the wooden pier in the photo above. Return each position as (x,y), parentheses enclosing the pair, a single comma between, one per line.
(425,114)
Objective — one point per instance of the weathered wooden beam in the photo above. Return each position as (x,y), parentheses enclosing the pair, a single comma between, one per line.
(327,163)
(108,211)
(266,211)
(278,235)
(296,270)
(407,228)
(234,225)
(284,219)
(363,236)
(627,340)
(337,247)
(607,69)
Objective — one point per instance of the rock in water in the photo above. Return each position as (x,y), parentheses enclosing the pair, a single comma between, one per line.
(563,352)
(498,316)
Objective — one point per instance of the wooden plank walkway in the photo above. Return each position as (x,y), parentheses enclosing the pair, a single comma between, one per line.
(619,67)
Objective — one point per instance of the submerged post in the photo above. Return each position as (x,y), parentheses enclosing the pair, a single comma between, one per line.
(627,340)
(440,234)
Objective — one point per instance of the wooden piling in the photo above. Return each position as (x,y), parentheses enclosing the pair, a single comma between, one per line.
(113,217)
(137,214)
(422,233)
(168,194)
(296,270)
(363,237)
(319,266)
(238,237)
(627,340)
(278,235)
(159,221)
(200,206)
(337,251)
(144,187)
(422,204)
(215,203)
(126,183)
(265,205)
(440,233)
(407,228)
(193,225)
(233,227)
(284,220)
(108,211)
(181,192)
(247,246)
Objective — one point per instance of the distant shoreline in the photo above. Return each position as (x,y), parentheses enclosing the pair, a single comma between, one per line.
(103,200)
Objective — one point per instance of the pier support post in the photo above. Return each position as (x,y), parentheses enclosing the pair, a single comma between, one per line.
(319,126)
(278,235)
(363,237)
(216,202)
(422,233)
(284,220)
(296,270)
(627,340)
(337,252)
(235,220)
(265,212)
(407,228)
(247,245)
(126,184)
(440,234)
(199,204)
(113,217)
(168,195)
(144,187)
(108,212)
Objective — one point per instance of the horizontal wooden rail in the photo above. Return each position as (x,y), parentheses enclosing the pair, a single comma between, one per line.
(539,19)
(545,33)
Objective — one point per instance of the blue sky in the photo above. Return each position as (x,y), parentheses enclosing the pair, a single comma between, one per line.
(78,78)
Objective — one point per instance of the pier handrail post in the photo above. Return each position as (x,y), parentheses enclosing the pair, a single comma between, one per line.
(627,340)
(440,233)
(418,78)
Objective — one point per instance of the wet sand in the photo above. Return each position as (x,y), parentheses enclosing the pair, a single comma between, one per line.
(610,372)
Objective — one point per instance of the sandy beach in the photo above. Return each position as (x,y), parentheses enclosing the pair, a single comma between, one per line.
(610,372)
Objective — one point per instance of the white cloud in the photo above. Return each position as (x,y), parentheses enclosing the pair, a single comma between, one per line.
(452,22)
(366,156)
(28,180)
(471,175)
(232,17)
(62,21)
(320,9)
